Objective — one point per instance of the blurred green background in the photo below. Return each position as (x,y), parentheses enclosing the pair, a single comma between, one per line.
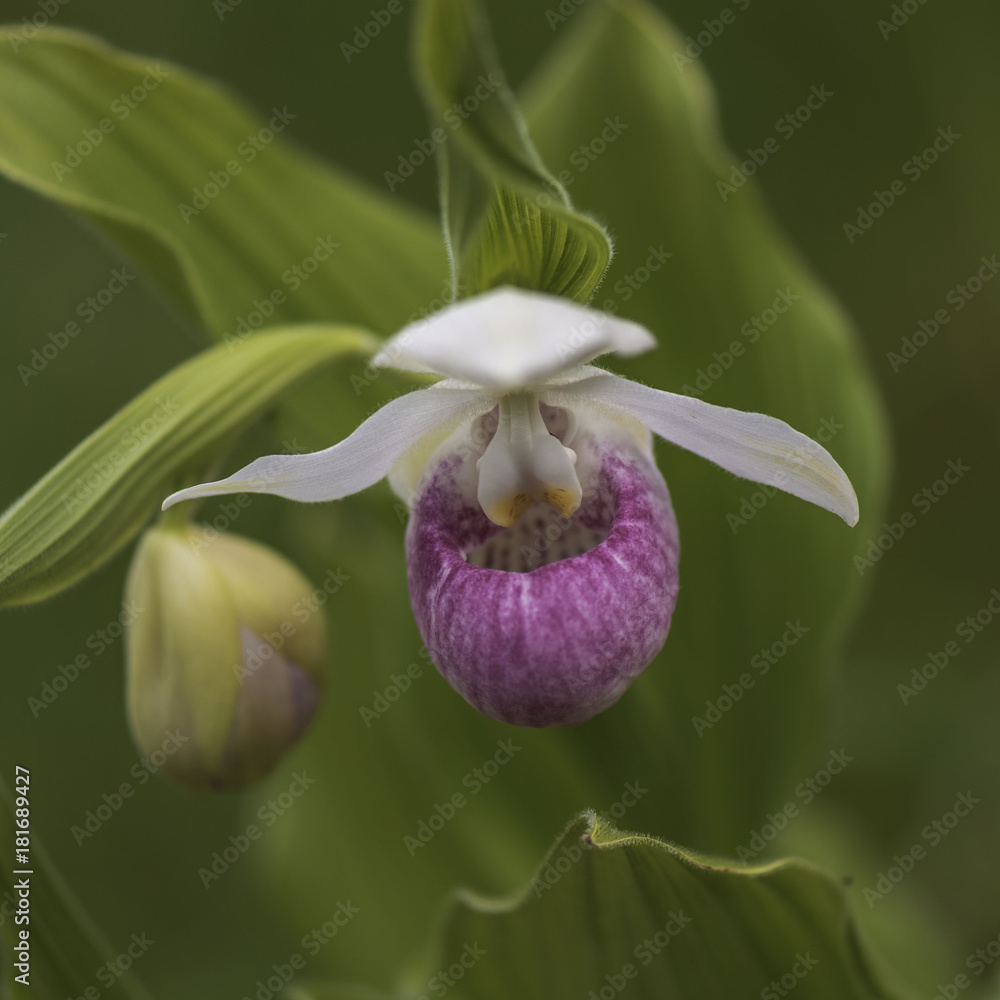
(890,98)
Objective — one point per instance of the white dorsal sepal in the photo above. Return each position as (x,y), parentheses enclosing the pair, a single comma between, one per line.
(525,464)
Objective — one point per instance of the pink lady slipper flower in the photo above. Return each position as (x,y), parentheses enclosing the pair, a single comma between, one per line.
(542,547)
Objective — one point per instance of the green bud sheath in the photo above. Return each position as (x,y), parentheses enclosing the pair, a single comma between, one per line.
(224,651)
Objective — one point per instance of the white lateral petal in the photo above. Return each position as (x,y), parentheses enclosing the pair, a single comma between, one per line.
(356,462)
(511,337)
(752,445)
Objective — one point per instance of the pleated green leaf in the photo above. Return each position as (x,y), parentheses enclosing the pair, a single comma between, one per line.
(209,198)
(611,913)
(95,500)
(508,220)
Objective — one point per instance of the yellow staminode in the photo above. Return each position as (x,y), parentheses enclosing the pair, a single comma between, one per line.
(524,464)
(508,511)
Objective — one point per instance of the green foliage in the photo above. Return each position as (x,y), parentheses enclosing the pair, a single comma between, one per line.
(695,269)
(95,500)
(64,947)
(612,909)
(507,219)
(209,199)
(609,911)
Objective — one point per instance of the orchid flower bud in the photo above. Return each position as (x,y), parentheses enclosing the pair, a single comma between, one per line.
(228,655)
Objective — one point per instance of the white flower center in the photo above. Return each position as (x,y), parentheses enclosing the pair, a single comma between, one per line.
(524,464)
